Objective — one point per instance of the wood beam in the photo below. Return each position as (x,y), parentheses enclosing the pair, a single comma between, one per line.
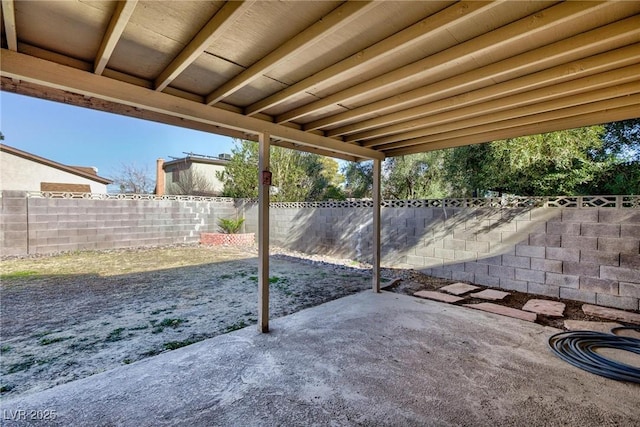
(556,75)
(575,48)
(22,87)
(57,95)
(341,16)
(418,32)
(507,40)
(9,18)
(263,233)
(38,71)
(590,119)
(519,118)
(581,91)
(119,20)
(215,28)
(377,199)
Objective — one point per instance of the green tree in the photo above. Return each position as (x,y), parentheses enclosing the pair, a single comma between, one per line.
(619,158)
(358,179)
(538,165)
(296,175)
(622,139)
(416,176)
(240,177)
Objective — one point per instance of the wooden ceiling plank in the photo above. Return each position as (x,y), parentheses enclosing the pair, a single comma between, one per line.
(119,20)
(49,74)
(215,28)
(503,39)
(341,16)
(569,91)
(523,117)
(423,29)
(600,117)
(609,36)
(10,31)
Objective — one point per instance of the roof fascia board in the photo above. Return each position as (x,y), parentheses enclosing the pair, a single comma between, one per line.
(46,162)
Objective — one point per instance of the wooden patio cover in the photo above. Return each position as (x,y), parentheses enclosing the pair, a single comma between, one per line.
(354,80)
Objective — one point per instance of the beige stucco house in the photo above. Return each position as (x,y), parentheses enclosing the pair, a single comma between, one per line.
(194,174)
(22,171)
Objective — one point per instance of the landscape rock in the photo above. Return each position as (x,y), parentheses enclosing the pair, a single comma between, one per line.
(437,296)
(505,311)
(546,307)
(611,314)
(459,288)
(491,294)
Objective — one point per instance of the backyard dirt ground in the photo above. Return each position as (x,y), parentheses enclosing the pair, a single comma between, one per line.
(69,316)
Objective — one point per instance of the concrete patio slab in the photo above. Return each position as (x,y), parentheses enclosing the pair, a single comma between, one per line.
(459,288)
(545,307)
(437,296)
(367,359)
(491,294)
(611,314)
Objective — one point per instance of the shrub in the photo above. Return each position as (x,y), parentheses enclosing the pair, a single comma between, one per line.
(230,226)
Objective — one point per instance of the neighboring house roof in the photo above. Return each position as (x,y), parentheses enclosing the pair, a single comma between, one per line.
(85,172)
(197,159)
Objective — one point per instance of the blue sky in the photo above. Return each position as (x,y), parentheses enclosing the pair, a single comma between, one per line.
(83,137)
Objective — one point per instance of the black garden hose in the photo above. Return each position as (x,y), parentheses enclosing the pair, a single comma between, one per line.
(578,348)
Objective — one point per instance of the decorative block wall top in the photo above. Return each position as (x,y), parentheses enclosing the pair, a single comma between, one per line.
(485,202)
(118,196)
(574,202)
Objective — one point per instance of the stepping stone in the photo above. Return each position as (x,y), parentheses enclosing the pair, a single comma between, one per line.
(505,311)
(459,288)
(585,325)
(611,314)
(546,307)
(437,296)
(491,294)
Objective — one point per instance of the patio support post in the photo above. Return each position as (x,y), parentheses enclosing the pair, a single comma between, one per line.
(263,233)
(377,166)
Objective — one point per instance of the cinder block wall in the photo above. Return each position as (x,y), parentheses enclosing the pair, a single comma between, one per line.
(13,223)
(586,254)
(590,255)
(48,225)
